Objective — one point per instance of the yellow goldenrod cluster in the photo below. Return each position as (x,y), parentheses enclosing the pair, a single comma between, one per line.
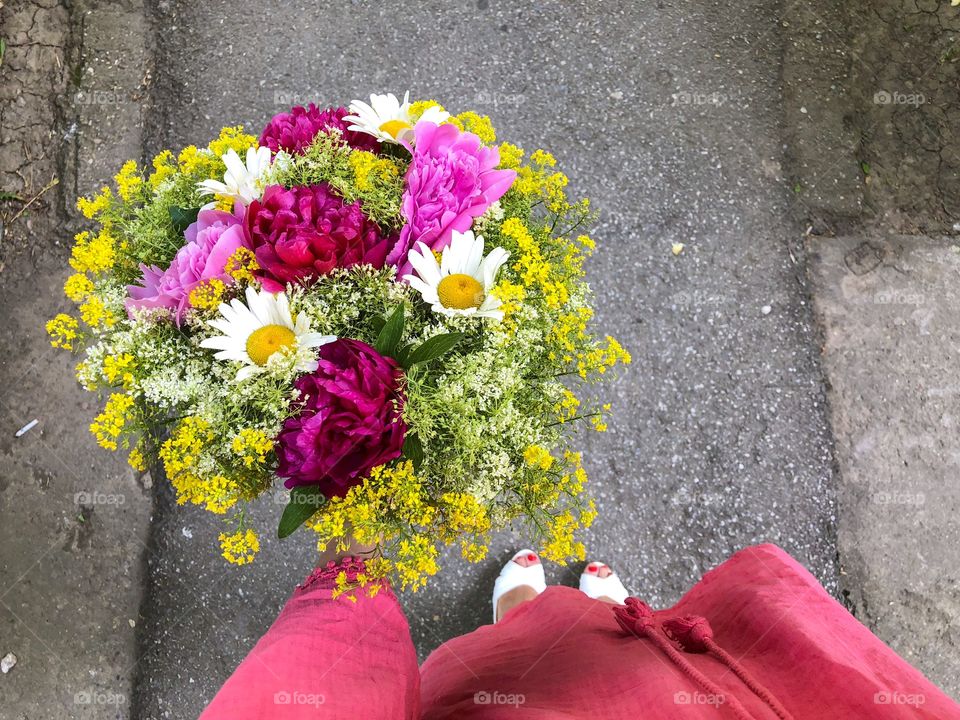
(599,358)
(129,182)
(538,180)
(367,165)
(118,369)
(241,265)
(252,446)
(538,457)
(419,107)
(77,287)
(416,560)
(93,253)
(510,156)
(63,331)
(95,314)
(511,296)
(240,547)
(109,425)
(208,294)
(136,459)
(567,408)
(535,270)
(561,543)
(232,138)
(164,166)
(180,454)
(569,331)
(479,125)
(91,207)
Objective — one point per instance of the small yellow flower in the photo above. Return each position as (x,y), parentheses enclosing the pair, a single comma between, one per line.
(242,265)
(97,205)
(77,287)
(479,125)
(63,331)
(110,424)
(538,457)
(208,295)
(117,369)
(128,181)
(239,548)
(252,446)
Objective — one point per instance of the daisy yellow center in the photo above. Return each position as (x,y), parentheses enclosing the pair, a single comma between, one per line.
(394,127)
(265,341)
(460,292)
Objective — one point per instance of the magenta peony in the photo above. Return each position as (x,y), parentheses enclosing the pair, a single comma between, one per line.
(211,240)
(351,419)
(305,232)
(451,180)
(294,131)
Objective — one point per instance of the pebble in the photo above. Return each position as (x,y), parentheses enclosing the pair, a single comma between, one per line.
(7,663)
(766,309)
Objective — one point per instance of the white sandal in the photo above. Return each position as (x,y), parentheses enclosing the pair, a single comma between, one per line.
(514,575)
(592,585)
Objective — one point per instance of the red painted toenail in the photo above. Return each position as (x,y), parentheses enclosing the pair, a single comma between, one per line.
(591,568)
(531,557)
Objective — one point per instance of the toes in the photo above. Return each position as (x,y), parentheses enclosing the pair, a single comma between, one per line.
(598,569)
(604,571)
(526,559)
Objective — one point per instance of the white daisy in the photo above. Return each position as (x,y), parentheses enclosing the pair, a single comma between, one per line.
(387,119)
(256,332)
(243,182)
(461,283)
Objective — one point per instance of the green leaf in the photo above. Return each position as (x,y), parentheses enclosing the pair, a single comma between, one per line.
(413,450)
(403,354)
(433,348)
(183,217)
(378,323)
(305,500)
(390,334)
(865,167)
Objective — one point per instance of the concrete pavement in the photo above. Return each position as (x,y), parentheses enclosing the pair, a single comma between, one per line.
(669,119)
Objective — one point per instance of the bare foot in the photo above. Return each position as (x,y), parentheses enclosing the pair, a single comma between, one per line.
(519,594)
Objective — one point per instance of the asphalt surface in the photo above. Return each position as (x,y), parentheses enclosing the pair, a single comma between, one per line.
(669,118)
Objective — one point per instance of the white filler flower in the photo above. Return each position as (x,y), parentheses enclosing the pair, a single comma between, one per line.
(243,182)
(387,119)
(461,283)
(255,332)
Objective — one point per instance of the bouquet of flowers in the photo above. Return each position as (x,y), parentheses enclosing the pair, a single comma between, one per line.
(377,306)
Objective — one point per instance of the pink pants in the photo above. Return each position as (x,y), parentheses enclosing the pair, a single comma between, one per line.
(756,638)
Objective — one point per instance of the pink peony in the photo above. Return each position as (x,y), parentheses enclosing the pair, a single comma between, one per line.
(211,240)
(451,180)
(304,232)
(294,131)
(351,419)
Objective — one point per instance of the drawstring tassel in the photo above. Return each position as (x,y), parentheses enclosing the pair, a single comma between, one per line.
(636,618)
(694,635)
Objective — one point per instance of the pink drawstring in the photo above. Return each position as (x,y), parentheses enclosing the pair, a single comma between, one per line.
(694,635)
(636,617)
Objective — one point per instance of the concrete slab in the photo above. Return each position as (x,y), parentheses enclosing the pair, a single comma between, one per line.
(670,119)
(889,309)
(74,517)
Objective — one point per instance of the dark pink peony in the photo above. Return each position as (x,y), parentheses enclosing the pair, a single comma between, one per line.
(211,240)
(294,131)
(305,232)
(350,422)
(452,179)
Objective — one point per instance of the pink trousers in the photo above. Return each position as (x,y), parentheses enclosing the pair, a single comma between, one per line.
(757,638)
